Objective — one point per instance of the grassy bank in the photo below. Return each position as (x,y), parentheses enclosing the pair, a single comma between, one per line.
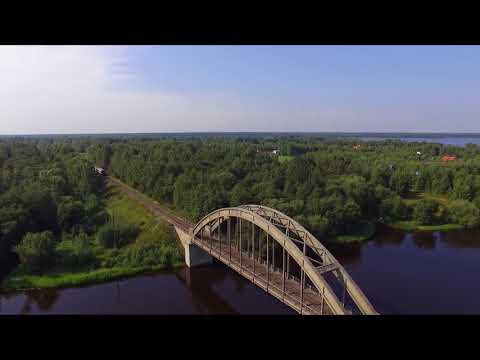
(285,158)
(412,226)
(413,198)
(18,281)
(153,249)
(365,232)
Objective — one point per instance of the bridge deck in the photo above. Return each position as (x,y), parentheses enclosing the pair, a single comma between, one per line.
(272,283)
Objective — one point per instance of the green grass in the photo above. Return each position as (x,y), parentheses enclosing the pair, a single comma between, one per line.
(412,226)
(285,158)
(415,197)
(128,211)
(126,208)
(365,232)
(16,282)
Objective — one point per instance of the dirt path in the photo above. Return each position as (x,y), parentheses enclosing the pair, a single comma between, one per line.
(151,205)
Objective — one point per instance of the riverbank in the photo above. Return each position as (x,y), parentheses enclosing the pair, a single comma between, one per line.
(365,232)
(412,226)
(155,248)
(369,230)
(20,282)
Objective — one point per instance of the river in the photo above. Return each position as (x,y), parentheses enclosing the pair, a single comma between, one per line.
(401,273)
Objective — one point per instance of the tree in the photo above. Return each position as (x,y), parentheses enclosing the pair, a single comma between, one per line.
(464,213)
(401,182)
(41,207)
(75,251)
(36,251)
(318,225)
(240,195)
(463,186)
(424,211)
(351,215)
(393,208)
(70,213)
(117,235)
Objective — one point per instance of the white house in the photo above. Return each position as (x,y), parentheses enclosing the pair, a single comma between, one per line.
(275,152)
(99,170)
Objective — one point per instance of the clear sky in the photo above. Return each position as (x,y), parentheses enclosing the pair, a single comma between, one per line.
(91,89)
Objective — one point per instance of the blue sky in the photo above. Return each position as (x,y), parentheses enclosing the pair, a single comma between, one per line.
(240,88)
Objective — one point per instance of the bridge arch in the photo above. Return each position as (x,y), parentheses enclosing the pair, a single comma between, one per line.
(313,259)
(293,226)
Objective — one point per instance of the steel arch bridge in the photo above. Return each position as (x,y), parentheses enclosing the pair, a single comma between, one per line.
(280,256)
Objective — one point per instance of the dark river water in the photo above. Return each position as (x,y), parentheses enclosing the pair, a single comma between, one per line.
(421,273)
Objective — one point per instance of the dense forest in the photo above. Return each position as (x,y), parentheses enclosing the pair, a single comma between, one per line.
(53,214)
(332,187)
(53,211)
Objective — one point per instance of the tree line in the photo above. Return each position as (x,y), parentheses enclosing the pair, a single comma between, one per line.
(51,201)
(330,186)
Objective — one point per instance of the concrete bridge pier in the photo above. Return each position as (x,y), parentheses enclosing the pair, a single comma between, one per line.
(194,256)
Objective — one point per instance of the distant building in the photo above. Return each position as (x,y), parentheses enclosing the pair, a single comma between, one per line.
(99,170)
(356,147)
(275,152)
(449,157)
(419,153)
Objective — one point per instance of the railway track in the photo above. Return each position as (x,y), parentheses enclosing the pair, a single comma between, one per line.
(152,205)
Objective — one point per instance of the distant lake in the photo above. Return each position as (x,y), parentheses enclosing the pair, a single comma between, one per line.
(445,140)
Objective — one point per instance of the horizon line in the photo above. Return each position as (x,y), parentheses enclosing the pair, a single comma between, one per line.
(249,132)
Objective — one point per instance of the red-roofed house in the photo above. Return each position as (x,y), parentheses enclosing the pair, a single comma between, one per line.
(448,157)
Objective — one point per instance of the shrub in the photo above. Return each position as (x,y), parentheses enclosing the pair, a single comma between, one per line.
(464,213)
(117,235)
(75,251)
(153,248)
(36,251)
(318,224)
(424,211)
(69,213)
(394,208)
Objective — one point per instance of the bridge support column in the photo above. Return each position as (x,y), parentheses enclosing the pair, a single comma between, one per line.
(194,256)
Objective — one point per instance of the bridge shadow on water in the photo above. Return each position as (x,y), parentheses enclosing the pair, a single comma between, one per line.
(217,289)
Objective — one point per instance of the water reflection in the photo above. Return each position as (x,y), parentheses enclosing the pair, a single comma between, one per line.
(211,289)
(203,297)
(350,254)
(388,236)
(42,299)
(417,273)
(461,239)
(423,240)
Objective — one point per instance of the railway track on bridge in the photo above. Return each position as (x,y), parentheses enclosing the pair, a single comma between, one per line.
(268,278)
